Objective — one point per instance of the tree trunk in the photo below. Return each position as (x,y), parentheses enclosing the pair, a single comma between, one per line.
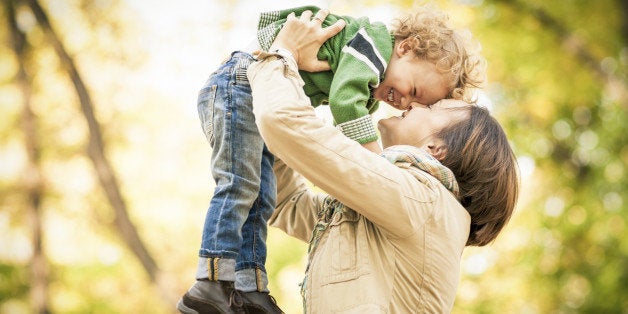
(32,177)
(96,152)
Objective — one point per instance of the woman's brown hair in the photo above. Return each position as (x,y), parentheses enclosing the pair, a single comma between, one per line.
(480,156)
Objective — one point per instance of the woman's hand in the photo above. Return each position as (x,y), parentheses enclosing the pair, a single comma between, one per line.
(304,36)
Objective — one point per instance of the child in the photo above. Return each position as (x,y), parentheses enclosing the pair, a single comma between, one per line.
(421,60)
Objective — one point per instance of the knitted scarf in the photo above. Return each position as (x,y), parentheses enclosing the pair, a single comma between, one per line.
(409,157)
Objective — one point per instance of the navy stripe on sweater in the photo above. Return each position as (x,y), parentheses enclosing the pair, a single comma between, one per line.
(362,47)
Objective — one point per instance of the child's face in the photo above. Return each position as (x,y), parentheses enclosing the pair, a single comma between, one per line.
(410,79)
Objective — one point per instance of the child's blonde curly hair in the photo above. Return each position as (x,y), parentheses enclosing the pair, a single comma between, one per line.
(452,51)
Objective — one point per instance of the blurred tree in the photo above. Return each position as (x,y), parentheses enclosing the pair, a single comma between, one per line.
(558,82)
(33,183)
(96,148)
(43,34)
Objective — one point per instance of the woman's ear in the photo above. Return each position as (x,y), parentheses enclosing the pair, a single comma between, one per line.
(437,149)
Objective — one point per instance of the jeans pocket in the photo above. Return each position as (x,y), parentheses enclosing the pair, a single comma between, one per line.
(347,255)
(206,99)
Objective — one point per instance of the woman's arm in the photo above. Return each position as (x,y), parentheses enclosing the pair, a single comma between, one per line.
(297,205)
(367,183)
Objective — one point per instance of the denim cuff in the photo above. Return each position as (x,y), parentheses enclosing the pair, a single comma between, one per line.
(216,268)
(251,279)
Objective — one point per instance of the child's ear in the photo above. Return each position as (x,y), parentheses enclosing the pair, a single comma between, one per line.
(402,48)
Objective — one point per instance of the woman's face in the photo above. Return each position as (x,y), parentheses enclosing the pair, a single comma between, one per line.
(418,125)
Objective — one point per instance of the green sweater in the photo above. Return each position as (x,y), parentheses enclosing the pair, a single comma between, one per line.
(358,57)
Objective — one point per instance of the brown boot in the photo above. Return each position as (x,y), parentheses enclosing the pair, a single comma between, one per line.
(211,297)
(260,303)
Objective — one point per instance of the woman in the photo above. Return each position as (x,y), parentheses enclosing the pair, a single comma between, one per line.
(388,234)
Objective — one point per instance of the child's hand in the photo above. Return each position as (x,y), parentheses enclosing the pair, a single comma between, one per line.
(304,36)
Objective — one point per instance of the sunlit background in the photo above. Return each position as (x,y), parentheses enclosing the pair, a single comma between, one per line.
(557,83)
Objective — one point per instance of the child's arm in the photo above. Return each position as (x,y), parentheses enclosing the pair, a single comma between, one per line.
(360,67)
(350,100)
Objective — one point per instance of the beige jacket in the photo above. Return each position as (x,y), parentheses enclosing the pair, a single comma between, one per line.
(397,251)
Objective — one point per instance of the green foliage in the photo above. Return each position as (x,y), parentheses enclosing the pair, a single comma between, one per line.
(13,282)
(568,113)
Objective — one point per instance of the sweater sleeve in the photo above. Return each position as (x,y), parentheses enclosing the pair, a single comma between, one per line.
(361,65)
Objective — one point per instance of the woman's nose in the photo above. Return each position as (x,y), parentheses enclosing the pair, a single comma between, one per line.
(406,102)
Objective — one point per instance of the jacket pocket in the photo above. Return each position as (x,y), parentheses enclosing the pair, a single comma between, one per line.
(346,249)
(205,106)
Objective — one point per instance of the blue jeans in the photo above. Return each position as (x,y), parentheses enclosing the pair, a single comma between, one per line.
(234,235)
